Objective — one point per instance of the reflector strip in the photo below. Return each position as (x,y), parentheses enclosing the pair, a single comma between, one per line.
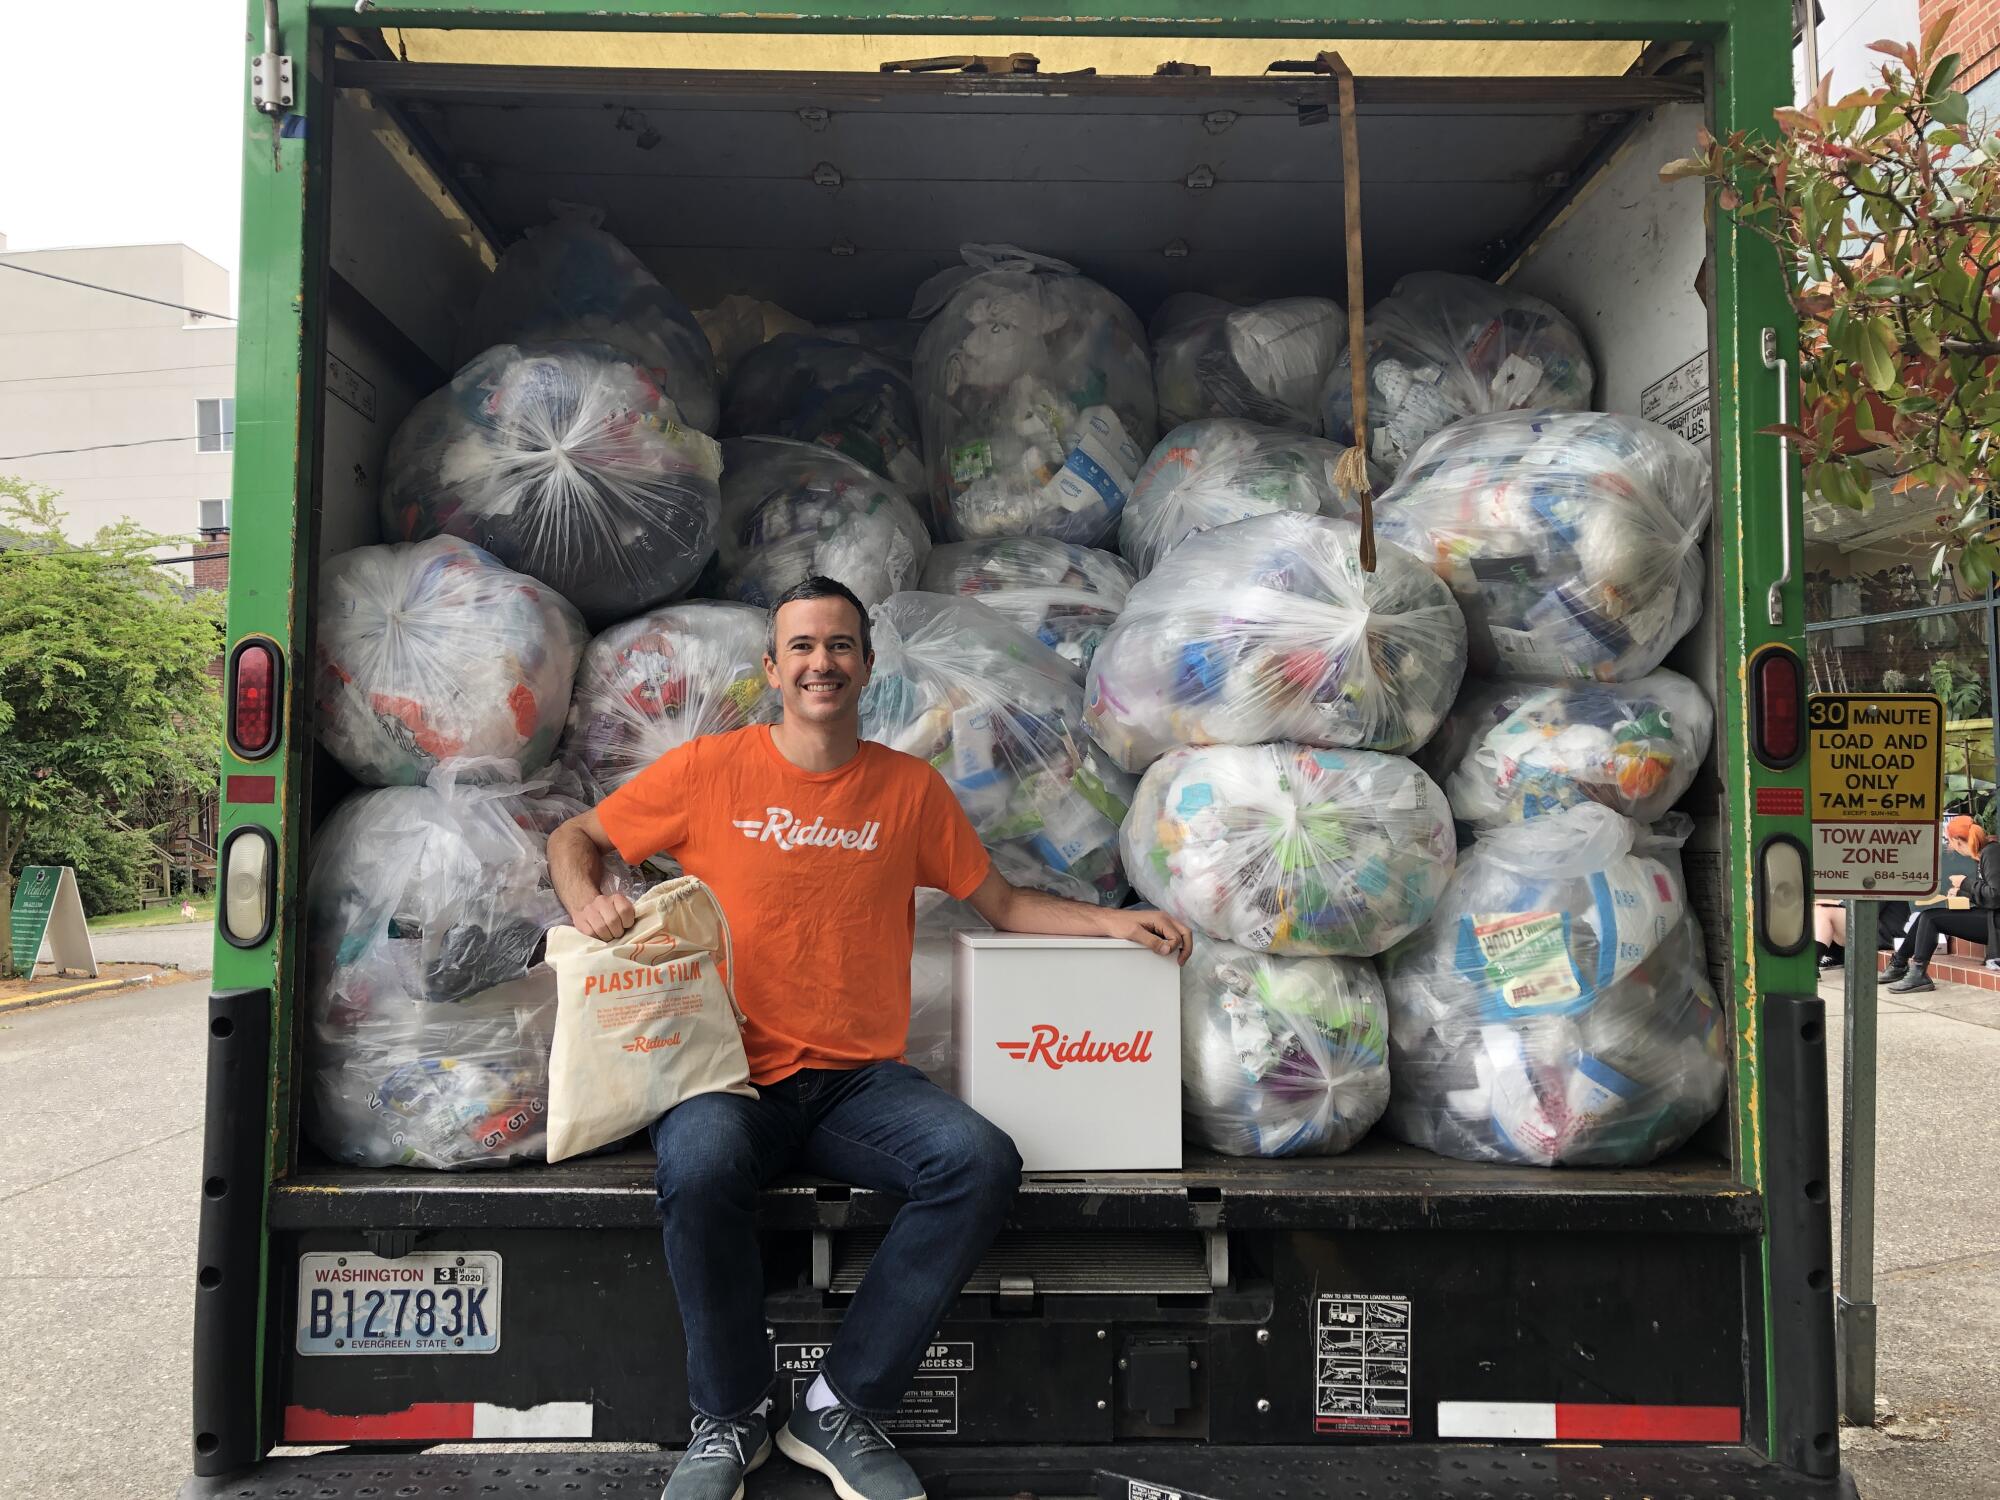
(247,789)
(1781,801)
(441,1422)
(1562,1421)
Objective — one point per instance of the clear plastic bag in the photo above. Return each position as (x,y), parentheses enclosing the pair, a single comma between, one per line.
(566,463)
(1001,717)
(430,1013)
(1267,629)
(1036,388)
(1557,1009)
(1207,474)
(1267,362)
(570,280)
(929,1044)
(1511,751)
(792,510)
(1572,539)
(834,394)
(1064,595)
(654,683)
(1291,850)
(1281,1056)
(1443,347)
(431,652)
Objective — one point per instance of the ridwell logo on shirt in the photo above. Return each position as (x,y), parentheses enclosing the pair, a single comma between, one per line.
(781,826)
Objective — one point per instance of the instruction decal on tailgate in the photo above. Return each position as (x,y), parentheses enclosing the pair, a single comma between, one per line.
(434,1302)
(1361,1379)
(930,1406)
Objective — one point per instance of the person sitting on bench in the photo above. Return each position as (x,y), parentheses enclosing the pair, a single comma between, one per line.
(1909,967)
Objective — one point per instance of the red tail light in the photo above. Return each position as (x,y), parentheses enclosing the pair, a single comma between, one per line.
(256,680)
(1777,707)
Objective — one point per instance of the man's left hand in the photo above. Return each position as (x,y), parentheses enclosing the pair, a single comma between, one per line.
(1157,930)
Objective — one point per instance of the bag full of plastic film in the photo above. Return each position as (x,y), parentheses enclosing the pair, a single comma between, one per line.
(572,281)
(832,393)
(1036,388)
(1000,716)
(432,651)
(1443,347)
(1572,539)
(1291,850)
(928,1046)
(1209,473)
(1268,629)
(1281,1056)
(1267,362)
(657,681)
(1515,750)
(1557,1009)
(1064,595)
(429,1009)
(566,462)
(792,510)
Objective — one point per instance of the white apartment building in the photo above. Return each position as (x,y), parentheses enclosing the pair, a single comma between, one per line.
(126,407)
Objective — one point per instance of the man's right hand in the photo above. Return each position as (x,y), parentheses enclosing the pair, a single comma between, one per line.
(605,918)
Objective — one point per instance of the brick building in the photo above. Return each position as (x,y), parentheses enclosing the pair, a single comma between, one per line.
(1975,37)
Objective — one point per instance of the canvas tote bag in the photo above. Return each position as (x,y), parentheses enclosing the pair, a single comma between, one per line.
(643,1022)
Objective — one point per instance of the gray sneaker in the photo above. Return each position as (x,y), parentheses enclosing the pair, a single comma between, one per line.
(718,1457)
(850,1451)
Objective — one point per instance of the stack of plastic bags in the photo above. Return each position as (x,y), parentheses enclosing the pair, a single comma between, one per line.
(1036,388)
(432,651)
(571,280)
(1281,1056)
(1514,750)
(1268,362)
(1444,347)
(1572,539)
(792,510)
(832,393)
(1000,716)
(929,1044)
(1290,850)
(1557,1009)
(568,463)
(430,1012)
(1268,629)
(654,683)
(1207,474)
(1064,595)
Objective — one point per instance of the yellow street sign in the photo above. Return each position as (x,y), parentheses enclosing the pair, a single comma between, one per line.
(1876,762)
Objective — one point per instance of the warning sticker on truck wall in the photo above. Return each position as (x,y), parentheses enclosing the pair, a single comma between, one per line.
(930,1406)
(1361,1380)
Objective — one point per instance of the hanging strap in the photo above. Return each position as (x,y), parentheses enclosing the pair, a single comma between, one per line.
(1352,471)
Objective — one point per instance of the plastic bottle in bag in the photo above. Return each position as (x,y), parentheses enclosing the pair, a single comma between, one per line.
(570,280)
(792,510)
(1036,388)
(1207,474)
(1281,1056)
(432,651)
(1000,716)
(567,463)
(1064,595)
(1572,539)
(1287,849)
(1267,362)
(1442,348)
(1267,629)
(1557,1008)
(834,394)
(1511,751)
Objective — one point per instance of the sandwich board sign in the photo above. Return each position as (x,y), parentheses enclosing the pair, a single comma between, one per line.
(1877,771)
(48,914)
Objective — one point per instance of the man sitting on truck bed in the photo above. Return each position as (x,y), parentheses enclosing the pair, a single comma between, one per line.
(823,928)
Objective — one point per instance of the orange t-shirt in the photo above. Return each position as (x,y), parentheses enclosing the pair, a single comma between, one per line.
(817,873)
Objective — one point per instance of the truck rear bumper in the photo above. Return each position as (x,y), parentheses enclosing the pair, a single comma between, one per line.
(1134,1471)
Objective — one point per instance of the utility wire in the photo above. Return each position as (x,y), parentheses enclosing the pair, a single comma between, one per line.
(6,265)
(227,432)
(107,374)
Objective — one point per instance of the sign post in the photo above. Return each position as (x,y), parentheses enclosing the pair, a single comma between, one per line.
(1877,768)
(48,910)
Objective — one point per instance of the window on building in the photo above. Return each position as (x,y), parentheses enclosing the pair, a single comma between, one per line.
(215,425)
(214,516)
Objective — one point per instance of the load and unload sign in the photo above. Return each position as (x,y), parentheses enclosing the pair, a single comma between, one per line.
(1877,766)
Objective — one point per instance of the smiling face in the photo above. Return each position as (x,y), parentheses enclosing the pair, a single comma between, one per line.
(820,667)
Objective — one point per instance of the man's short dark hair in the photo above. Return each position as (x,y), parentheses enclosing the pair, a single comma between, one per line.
(816,587)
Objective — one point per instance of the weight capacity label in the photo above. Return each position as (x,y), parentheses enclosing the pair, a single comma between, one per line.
(1877,766)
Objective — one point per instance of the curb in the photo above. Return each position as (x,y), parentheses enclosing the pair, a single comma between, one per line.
(70,992)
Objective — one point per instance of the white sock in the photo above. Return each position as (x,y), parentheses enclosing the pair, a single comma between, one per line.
(819,1396)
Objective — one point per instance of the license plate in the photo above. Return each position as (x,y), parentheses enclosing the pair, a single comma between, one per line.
(434,1302)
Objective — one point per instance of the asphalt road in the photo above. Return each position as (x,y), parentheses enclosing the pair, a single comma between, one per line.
(184,945)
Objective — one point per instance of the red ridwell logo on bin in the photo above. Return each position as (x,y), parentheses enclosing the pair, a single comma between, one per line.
(1057,1049)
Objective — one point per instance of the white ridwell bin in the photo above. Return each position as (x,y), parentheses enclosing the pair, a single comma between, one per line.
(1072,1046)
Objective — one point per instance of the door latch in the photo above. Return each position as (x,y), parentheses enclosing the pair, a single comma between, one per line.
(271,70)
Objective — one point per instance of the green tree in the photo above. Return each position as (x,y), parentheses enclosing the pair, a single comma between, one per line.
(104,685)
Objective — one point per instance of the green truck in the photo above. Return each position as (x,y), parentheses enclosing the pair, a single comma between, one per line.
(1666,1329)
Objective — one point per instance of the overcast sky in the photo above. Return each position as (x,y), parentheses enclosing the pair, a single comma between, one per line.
(119,122)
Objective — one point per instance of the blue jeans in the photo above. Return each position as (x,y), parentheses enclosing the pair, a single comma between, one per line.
(885,1126)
